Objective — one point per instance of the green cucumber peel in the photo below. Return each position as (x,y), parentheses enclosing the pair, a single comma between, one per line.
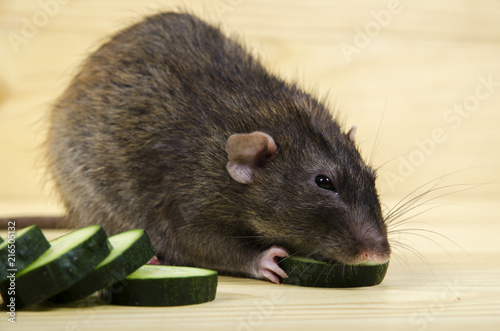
(20,249)
(68,260)
(303,271)
(131,249)
(160,285)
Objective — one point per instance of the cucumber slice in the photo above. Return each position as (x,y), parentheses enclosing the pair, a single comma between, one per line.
(160,285)
(24,247)
(308,272)
(131,249)
(68,260)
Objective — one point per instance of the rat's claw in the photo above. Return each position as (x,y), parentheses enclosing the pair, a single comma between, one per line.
(154,260)
(267,264)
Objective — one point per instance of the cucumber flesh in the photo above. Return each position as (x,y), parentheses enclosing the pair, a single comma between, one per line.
(25,246)
(68,260)
(160,285)
(131,249)
(308,272)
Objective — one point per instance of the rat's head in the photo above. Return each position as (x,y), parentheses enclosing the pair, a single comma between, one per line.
(308,190)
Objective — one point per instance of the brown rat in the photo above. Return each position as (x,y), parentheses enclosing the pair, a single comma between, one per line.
(172,127)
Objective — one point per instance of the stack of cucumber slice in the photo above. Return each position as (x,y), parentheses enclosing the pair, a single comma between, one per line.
(73,266)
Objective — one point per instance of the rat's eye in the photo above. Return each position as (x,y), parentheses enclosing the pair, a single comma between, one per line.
(325,183)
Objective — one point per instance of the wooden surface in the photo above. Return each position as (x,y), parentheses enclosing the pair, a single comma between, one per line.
(437,293)
(423,87)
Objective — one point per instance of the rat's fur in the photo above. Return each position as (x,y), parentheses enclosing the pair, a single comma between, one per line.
(138,141)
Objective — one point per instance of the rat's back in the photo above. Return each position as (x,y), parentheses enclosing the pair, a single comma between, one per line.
(144,123)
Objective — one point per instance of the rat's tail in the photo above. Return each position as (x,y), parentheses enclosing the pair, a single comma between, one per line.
(44,222)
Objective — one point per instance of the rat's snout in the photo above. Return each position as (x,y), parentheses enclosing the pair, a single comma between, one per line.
(369,241)
(357,239)
(369,251)
(373,256)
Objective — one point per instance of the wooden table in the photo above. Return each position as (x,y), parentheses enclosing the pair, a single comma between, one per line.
(448,289)
(420,79)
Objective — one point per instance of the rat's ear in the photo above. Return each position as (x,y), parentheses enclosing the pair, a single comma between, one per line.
(247,153)
(352,133)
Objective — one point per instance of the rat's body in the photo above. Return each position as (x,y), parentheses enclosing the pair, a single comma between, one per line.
(174,128)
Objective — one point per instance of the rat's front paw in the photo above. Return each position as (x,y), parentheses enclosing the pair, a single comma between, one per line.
(154,260)
(267,264)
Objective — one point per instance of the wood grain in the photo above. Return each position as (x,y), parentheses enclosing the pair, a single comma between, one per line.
(420,79)
(419,293)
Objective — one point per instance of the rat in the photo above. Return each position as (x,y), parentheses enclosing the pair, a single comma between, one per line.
(173,127)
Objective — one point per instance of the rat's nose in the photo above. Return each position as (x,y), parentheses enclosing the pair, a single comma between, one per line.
(372,257)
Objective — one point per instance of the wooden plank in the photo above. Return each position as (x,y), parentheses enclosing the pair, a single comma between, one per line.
(416,294)
(427,78)
(416,70)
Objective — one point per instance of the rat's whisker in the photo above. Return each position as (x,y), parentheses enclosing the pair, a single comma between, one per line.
(435,180)
(378,135)
(415,232)
(412,203)
(395,223)
(413,250)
